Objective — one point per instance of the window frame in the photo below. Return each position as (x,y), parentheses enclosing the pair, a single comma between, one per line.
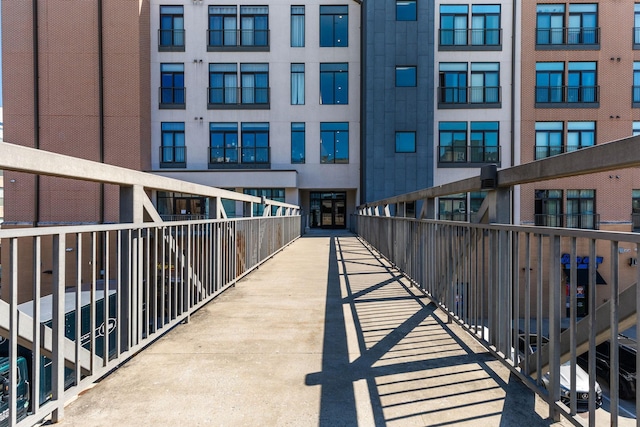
(406,10)
(330,137)
(173,17)
(451,148)
(172,155)
(229,143)
(332,74)
(298,142)
(400,143)
(255,139)
(295,13)
(297,80)
(406,76)
(174,96)
(334,32)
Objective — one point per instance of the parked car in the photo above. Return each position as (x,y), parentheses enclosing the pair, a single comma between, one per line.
(582,377)
(627,350)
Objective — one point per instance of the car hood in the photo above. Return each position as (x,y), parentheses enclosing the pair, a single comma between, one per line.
(582,378)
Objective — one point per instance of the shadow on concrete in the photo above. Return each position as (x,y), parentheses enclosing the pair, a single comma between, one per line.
(417,371)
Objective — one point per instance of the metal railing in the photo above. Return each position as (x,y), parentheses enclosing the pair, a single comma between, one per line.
(171,40)
(567,36)
(225,97)
(108,291)
(567,94)
(173,156)
(469,154)
(466,95)
(237,39)
(470,37)
(539,298)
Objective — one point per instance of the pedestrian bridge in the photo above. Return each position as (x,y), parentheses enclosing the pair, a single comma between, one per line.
(235,321)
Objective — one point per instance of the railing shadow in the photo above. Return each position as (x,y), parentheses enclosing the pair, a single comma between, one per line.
(389,357)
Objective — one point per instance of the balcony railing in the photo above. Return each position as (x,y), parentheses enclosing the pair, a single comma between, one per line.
(255,155)
(172,97)
(239,97)
(223,156)
(470,97)
(471,39)
(468,154)
(588,221)
(256,40)
(566,37)
(543,151)
(173,157)
(556,96)
(171,40)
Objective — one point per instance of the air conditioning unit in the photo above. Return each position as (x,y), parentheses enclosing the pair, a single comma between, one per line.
(633,262)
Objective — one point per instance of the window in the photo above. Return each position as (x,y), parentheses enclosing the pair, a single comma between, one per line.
(581,209)
(223,143)
(297,26)
(582,82)
(297,142)
(406,10)
(255,83)
(224,90)
(453,207)
(172,150)
(580,135)
(453,82)
(636,128)
(255,143)
(405,76)
(453,142)
(172,90)
(254,25)
(485,82)
(549,139)
(405,142)
(334,83)
(334,142)
(275,194)
(549,82)
(550,24)
(484,142)
(223,84)
(635,210)
(636,84)
(636,25)
(548,208)
(297,84)
(223,26)
(485,25)
(583,24)
(334,26)
(453,25)
(171,33)
(476,198)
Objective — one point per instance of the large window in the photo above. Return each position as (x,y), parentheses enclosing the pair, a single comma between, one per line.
(581,28)
(548,208)
(297,84)
(636,84)
(255,143)
(334,83)
(406,76)
(172,150)
(485,82)
(453,207)
(485,25)
(275,194)
(549,82)
(406,10)
(297,142)
(583,24)
(171,33)
(297,26)
(581,209)
(334,142)
(224,32)
(223,84)
(580,135)
(550,24)
(453,25)
(224,90)
(172,89)
(334,26)
(255,83)
(453,82)
(549,139)
(223,143)
(582,85)
(453,142)
(485,144)
(405,142)
(636,25)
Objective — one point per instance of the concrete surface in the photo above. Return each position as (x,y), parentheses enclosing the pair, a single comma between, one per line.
(324,334)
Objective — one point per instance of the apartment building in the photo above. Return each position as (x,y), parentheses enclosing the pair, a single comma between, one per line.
(261,98)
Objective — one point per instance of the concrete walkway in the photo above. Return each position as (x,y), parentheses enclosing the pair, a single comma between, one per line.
(324,334)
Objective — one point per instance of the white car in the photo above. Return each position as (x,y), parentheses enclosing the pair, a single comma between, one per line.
(582,386)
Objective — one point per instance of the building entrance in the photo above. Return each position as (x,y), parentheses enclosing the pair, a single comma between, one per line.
(328,210)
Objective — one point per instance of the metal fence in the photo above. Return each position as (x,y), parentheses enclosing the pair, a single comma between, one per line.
(108,291)
(511,284)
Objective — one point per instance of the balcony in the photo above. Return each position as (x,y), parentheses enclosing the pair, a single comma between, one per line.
(173,157)
(467,156)
(238,40)
(470,97)
(477,39)
(171,40)
(172,98)
(586,221)
(252,98)
(566,38)
(250,158)
(567,96)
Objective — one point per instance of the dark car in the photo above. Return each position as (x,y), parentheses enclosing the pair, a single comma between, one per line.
(627,349)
